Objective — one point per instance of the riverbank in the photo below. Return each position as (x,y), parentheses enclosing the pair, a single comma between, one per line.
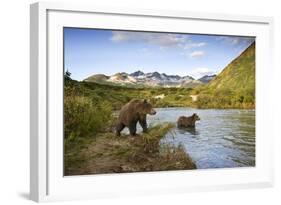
(106,153)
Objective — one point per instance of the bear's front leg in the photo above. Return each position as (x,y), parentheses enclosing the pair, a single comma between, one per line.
(133,128)
(143,125)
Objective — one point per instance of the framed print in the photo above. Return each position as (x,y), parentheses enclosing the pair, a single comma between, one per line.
(127,102)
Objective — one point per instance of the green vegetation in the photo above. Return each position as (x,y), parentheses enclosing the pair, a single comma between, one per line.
(117,96)
(83,115)
(234,87)
(107,153)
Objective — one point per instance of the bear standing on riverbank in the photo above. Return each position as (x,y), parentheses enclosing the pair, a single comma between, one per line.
(133,112)
(188,121)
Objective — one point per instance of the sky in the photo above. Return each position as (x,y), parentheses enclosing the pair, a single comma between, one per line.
(97,51)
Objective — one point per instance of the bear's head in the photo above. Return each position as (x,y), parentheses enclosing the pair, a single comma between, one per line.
(147,108)
(195,116)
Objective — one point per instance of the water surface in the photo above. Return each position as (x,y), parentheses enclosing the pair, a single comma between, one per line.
(222,138)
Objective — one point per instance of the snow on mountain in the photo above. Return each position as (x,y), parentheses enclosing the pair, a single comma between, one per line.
(122,78)
(207,78)
(153,79)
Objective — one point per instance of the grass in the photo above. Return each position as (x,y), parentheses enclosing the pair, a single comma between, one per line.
(234,87)
(107,153)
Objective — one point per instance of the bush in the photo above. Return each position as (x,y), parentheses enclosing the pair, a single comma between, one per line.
(178,97)
(82,118)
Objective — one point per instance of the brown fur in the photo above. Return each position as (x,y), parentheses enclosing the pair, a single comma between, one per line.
(184,121)
(133,112)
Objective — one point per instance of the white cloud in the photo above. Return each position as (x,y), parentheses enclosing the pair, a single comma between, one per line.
(235,40)
(194,45)
(200,72)
(161,39)
(197,54)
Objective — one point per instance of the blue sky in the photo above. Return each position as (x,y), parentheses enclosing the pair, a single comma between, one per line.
(94,51)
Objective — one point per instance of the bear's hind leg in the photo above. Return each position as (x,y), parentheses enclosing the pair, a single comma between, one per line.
(119,128)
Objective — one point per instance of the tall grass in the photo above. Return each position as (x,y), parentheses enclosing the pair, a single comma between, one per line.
(83,117)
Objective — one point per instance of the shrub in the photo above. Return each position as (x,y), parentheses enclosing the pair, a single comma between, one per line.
(83,118)
(178,97)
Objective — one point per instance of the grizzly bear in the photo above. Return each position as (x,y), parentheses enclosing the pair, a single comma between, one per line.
(187,121)
(133,112)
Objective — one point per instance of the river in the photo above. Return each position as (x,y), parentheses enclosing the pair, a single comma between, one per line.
(222,138)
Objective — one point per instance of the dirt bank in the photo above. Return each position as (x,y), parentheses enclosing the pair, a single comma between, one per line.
(107,153)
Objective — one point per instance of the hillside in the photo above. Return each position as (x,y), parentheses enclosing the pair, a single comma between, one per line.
(234,86)
(239,74)
(117,96)
(97,78)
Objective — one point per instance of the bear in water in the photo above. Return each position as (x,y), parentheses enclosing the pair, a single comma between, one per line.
(133,112)
(184,121)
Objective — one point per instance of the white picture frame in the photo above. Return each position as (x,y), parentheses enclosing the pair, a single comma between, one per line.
(47,182)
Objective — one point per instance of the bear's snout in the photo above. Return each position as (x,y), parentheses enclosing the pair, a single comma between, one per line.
(152,112)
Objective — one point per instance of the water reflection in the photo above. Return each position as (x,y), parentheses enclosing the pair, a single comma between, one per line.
(222,138)
(188,130)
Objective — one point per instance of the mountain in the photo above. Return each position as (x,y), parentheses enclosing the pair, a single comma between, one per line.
(239,74)
(137,74)
(122,78)
(234,86)
(97,78)
(140,78)
(206,78)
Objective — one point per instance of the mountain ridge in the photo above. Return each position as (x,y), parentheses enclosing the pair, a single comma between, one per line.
(152,79)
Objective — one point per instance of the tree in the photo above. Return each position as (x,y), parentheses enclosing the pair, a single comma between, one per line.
(67,74)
